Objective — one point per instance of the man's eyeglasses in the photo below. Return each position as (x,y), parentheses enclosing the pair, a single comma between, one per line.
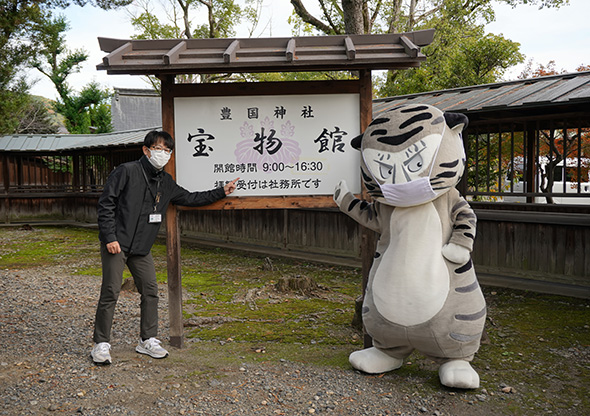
(168,151)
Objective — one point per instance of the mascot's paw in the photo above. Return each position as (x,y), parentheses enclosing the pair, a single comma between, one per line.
(339,192)
(374,361)
(458,374)
(455,253)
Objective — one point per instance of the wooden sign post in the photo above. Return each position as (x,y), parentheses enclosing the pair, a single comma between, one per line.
(289,148)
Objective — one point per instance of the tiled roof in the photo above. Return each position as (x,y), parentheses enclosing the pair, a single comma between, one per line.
(61,142)
(555,90)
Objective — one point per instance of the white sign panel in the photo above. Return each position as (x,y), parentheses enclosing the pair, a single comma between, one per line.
(277,145)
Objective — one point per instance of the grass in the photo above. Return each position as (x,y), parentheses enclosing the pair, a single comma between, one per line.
(539,344)
(538,341)
(44,247)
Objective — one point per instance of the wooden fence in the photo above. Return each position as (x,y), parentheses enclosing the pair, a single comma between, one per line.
(543,248)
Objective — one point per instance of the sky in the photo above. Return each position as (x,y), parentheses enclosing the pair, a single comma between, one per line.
(561,35)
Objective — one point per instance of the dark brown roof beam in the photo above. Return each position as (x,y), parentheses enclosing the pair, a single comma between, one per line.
(173,54)
(290,51)
(410,47)
(230,53)
(350,49)
(116,55)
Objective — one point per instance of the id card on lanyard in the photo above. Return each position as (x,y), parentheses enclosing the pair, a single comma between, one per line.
(155,217)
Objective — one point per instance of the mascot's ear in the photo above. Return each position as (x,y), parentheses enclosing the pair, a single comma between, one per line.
(456,121)
(356,142)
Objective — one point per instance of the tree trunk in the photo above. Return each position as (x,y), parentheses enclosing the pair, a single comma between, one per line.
(353,17)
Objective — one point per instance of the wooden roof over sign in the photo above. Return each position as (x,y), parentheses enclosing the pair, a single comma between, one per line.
(309,53)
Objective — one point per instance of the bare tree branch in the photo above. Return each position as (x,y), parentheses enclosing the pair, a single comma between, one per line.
(327,15)
(184,5)
(308,18)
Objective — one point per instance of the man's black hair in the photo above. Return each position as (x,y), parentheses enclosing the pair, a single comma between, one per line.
(155,136)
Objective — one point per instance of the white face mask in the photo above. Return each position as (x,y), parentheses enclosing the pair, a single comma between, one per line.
(159,158)
(408,194)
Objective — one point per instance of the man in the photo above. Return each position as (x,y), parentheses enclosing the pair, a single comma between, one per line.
(130,211)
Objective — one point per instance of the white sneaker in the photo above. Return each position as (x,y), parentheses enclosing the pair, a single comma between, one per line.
(152,348)
(100,353)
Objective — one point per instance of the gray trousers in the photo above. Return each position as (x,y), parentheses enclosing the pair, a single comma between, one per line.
(144,274)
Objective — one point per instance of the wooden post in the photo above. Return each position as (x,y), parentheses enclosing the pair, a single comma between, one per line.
(6,175)
(172,230)
(531,160)
(79,180)
(367,236)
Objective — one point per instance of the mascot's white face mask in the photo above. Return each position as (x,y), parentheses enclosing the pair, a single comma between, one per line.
(408,194)
(159,158)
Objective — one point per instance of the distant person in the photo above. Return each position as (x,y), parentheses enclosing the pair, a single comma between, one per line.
(130,211)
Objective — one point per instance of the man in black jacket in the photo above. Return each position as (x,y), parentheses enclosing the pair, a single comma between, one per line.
(130,211)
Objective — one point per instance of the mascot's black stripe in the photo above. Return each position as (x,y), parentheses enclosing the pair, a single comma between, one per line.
(459,204)
(379,132)
(462,227)
(366,177)
(469,288)
(472,316)
(447,174)
(417,118)
(464,338)
(380,120)
(353,204)
(419,108)
(401,138)
(467,266)
(449,164)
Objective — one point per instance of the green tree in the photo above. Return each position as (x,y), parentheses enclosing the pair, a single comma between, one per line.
(88,112)
(54,60)
(460,54)
(19,20)
(84,113)
(16,19)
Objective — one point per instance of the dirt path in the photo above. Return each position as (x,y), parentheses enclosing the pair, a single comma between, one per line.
(46,318)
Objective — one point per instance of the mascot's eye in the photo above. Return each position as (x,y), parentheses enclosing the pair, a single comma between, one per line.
(385,170)
(415,163)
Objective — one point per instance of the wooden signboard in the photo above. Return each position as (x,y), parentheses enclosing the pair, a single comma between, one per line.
(278,145)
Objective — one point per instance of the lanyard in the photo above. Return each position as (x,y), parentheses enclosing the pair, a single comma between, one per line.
(157,195)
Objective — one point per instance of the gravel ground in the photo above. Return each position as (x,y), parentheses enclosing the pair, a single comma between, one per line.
(46,318)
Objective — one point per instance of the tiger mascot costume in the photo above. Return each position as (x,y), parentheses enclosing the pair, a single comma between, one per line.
(422,291)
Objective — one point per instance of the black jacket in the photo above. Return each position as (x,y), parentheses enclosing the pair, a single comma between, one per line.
(126,203)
